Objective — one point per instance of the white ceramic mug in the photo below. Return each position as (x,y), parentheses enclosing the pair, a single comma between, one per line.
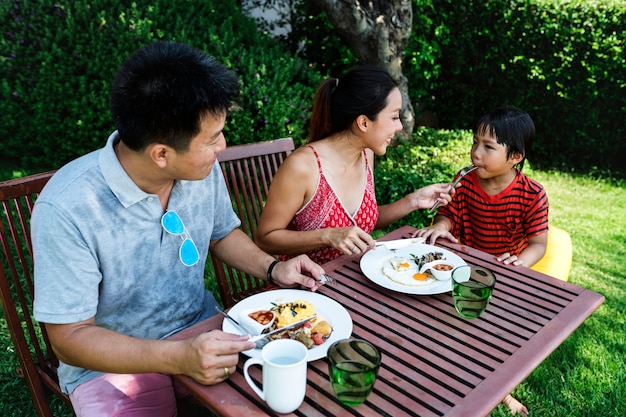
(284,366)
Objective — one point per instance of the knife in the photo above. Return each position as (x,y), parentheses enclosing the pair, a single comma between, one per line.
(401,243)
(282,329)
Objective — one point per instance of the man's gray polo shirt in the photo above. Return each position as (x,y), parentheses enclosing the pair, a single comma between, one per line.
(100,251)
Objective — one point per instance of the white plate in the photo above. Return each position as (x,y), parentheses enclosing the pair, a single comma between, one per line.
(329,309)
(372,266)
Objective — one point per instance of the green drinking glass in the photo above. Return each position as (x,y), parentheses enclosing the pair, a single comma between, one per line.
(353,366)
(472,287)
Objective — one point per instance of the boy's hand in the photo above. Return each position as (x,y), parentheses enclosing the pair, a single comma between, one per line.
(432,233)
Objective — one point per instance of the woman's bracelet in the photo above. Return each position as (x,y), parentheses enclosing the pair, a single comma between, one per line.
(270,269)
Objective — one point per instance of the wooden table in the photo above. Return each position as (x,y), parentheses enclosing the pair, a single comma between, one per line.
(435,363)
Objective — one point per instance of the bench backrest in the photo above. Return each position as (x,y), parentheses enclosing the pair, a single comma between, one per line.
(248,170)
(37,362)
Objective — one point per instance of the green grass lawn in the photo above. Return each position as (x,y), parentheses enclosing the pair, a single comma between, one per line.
(586,375)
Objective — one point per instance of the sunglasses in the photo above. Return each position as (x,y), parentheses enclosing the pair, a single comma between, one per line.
(173,224)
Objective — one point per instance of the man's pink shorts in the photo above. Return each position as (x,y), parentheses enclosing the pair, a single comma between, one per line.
(139,395)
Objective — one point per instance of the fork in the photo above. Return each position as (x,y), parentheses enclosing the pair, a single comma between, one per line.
(259,340)
(462,173)
(327,279)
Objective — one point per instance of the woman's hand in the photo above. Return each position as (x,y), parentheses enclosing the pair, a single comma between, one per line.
(349,240)
(428,196)
(508,259)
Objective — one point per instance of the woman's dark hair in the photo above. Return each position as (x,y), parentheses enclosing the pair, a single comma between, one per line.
(363,90)
(511,127)
(162,92)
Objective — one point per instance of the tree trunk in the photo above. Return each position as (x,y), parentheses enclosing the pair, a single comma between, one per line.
(378,32)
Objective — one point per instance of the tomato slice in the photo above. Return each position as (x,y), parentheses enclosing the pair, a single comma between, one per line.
(318,338)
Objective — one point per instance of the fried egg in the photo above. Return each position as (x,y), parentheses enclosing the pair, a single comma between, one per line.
(403,272)
(400,265)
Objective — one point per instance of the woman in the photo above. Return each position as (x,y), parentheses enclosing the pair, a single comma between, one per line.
(322,200)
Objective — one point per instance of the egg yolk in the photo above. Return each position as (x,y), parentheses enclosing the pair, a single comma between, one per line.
(420,277)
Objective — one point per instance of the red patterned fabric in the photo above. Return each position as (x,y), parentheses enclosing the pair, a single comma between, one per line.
(325,210)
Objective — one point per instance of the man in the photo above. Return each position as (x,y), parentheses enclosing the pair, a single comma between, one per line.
(121,236)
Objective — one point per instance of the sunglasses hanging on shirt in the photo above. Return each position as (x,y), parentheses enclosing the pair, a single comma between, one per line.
(173,224)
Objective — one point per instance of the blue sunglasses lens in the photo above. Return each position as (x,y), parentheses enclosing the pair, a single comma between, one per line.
(188,252)
(172,223)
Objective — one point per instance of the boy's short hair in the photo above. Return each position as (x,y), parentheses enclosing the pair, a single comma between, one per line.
(511,127)
(163,91)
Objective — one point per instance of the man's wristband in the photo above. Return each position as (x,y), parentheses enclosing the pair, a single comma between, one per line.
(270,269)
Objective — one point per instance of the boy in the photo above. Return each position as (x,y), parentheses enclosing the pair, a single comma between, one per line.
(497,208)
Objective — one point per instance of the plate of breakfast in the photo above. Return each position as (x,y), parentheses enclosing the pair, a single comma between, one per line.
(412,269)
(284,307)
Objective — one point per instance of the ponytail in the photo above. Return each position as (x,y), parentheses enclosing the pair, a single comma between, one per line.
(363,90)
(321,120)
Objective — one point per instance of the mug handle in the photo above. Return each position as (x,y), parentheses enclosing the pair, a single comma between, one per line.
(255,387)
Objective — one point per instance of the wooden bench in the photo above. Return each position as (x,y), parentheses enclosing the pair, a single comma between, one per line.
(248,170)
(38,363)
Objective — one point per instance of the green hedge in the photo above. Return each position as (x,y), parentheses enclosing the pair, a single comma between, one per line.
(562,61)
(59,59)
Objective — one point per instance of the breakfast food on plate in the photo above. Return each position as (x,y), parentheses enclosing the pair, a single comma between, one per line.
(404,272)
(255,320)
(400,265)
(288,313)
(427,257)
(311,333)
(441,270)
(443,267)
(263,317)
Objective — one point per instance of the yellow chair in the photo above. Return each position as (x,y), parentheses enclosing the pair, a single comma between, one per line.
(557,261)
